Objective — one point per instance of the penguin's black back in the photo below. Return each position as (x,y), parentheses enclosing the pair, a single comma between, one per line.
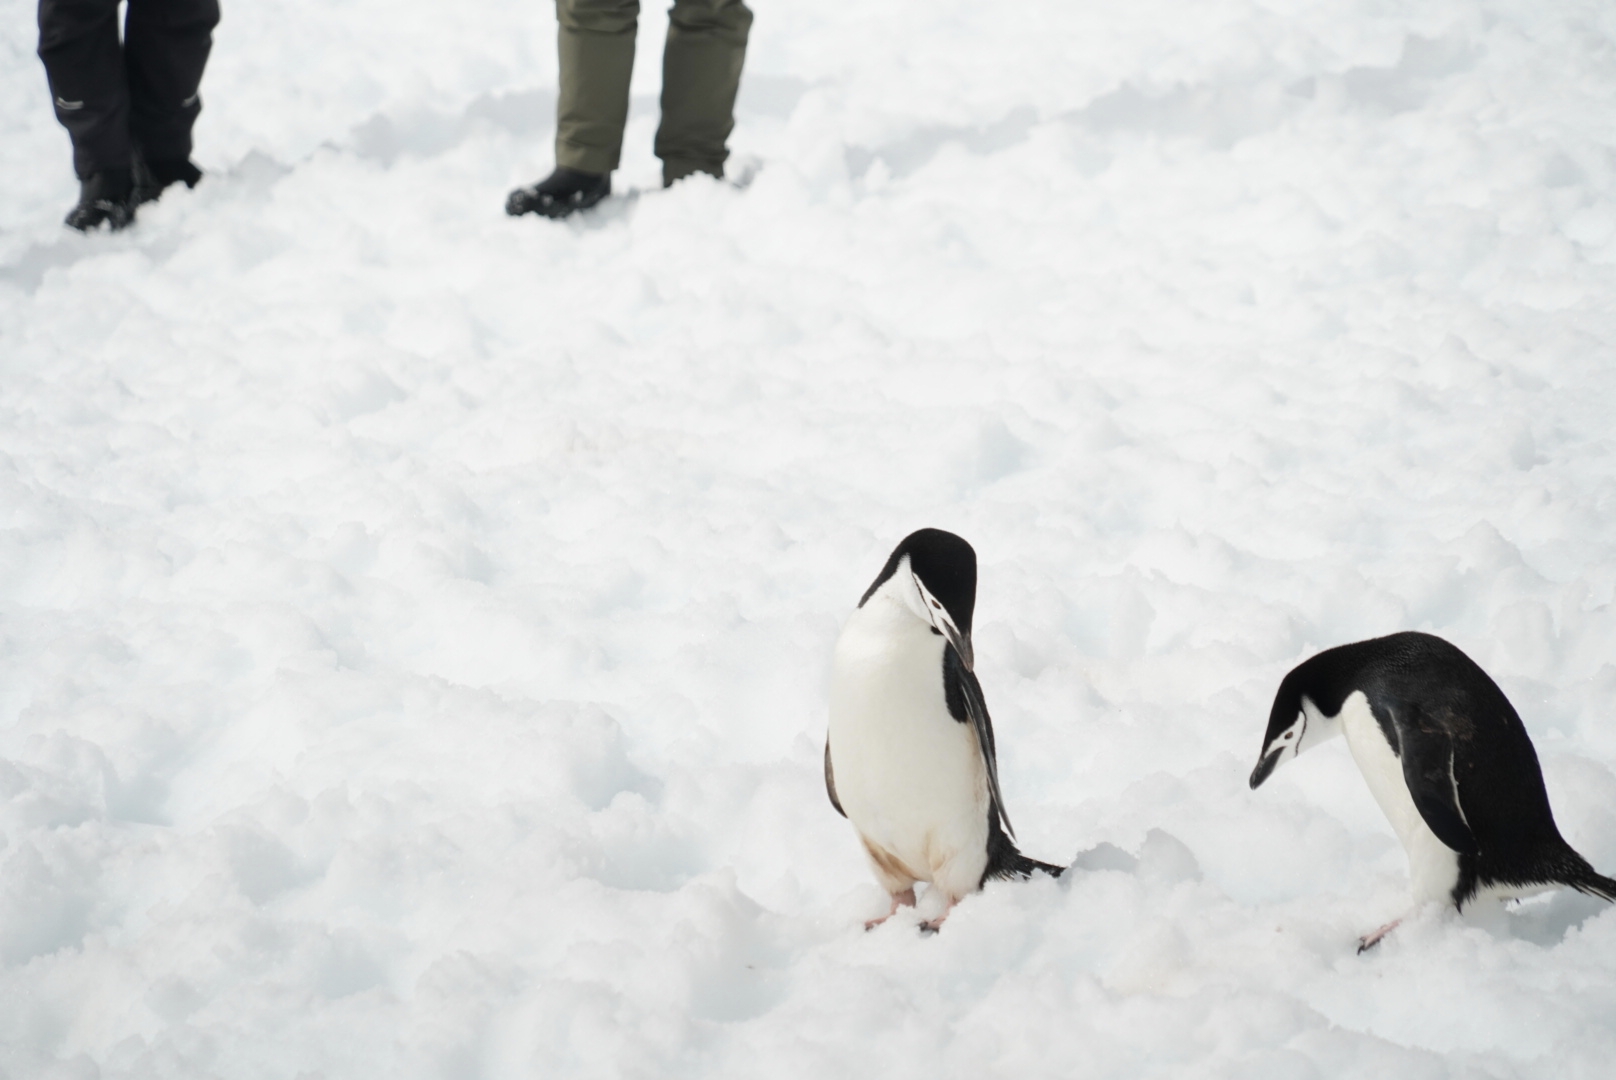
(1420,688)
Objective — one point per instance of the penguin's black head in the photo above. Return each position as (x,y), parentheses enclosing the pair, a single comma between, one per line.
(943,568)
(1287,726)
(1306,707)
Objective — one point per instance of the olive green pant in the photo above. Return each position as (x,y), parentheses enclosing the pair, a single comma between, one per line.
(701,71)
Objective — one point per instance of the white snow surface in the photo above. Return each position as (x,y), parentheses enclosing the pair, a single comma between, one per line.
(415,622)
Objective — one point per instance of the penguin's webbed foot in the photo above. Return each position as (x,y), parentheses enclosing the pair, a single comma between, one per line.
(900,899)
(1370,940)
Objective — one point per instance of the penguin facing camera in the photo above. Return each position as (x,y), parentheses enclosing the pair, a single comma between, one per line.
(1446,757)
(909,757)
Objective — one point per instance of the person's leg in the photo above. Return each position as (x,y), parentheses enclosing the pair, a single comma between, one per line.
(78,42)
(701,72)
(166,45)
(596,45)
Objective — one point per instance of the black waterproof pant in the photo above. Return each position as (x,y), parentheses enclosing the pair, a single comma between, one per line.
(116,97)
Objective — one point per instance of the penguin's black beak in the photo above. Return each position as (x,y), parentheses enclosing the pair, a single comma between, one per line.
(1265,765)
(961,642)
(943,623)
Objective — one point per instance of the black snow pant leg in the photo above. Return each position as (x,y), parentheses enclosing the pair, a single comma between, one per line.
(166,45)
(78,41)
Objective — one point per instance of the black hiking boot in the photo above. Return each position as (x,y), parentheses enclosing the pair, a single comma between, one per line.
(563,192)
(152,177)
(106,196)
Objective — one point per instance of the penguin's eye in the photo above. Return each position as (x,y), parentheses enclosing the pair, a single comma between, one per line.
(1287,735)
(936,605)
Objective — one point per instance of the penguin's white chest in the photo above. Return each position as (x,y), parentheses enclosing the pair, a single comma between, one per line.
(1433,867)
(909,776)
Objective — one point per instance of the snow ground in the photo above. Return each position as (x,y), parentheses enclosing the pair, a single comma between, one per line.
(414,622)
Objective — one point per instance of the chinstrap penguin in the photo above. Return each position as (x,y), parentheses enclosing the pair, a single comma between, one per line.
(909,757)
(1447,759)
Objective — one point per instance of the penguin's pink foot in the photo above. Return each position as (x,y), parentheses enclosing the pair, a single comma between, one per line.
(1369,941)
(902,899)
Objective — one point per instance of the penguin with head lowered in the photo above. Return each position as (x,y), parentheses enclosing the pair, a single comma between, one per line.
(1446,757)
(909,758)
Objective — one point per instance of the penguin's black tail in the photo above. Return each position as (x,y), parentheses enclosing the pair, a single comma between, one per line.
(1007,863)
(1595,885)
(1573,870)
(1019,868)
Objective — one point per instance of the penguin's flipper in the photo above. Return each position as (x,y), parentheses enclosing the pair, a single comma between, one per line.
(830,782)
(1427,753)
(965,703)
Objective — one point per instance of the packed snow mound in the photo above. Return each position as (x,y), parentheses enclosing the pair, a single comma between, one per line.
(414,622)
